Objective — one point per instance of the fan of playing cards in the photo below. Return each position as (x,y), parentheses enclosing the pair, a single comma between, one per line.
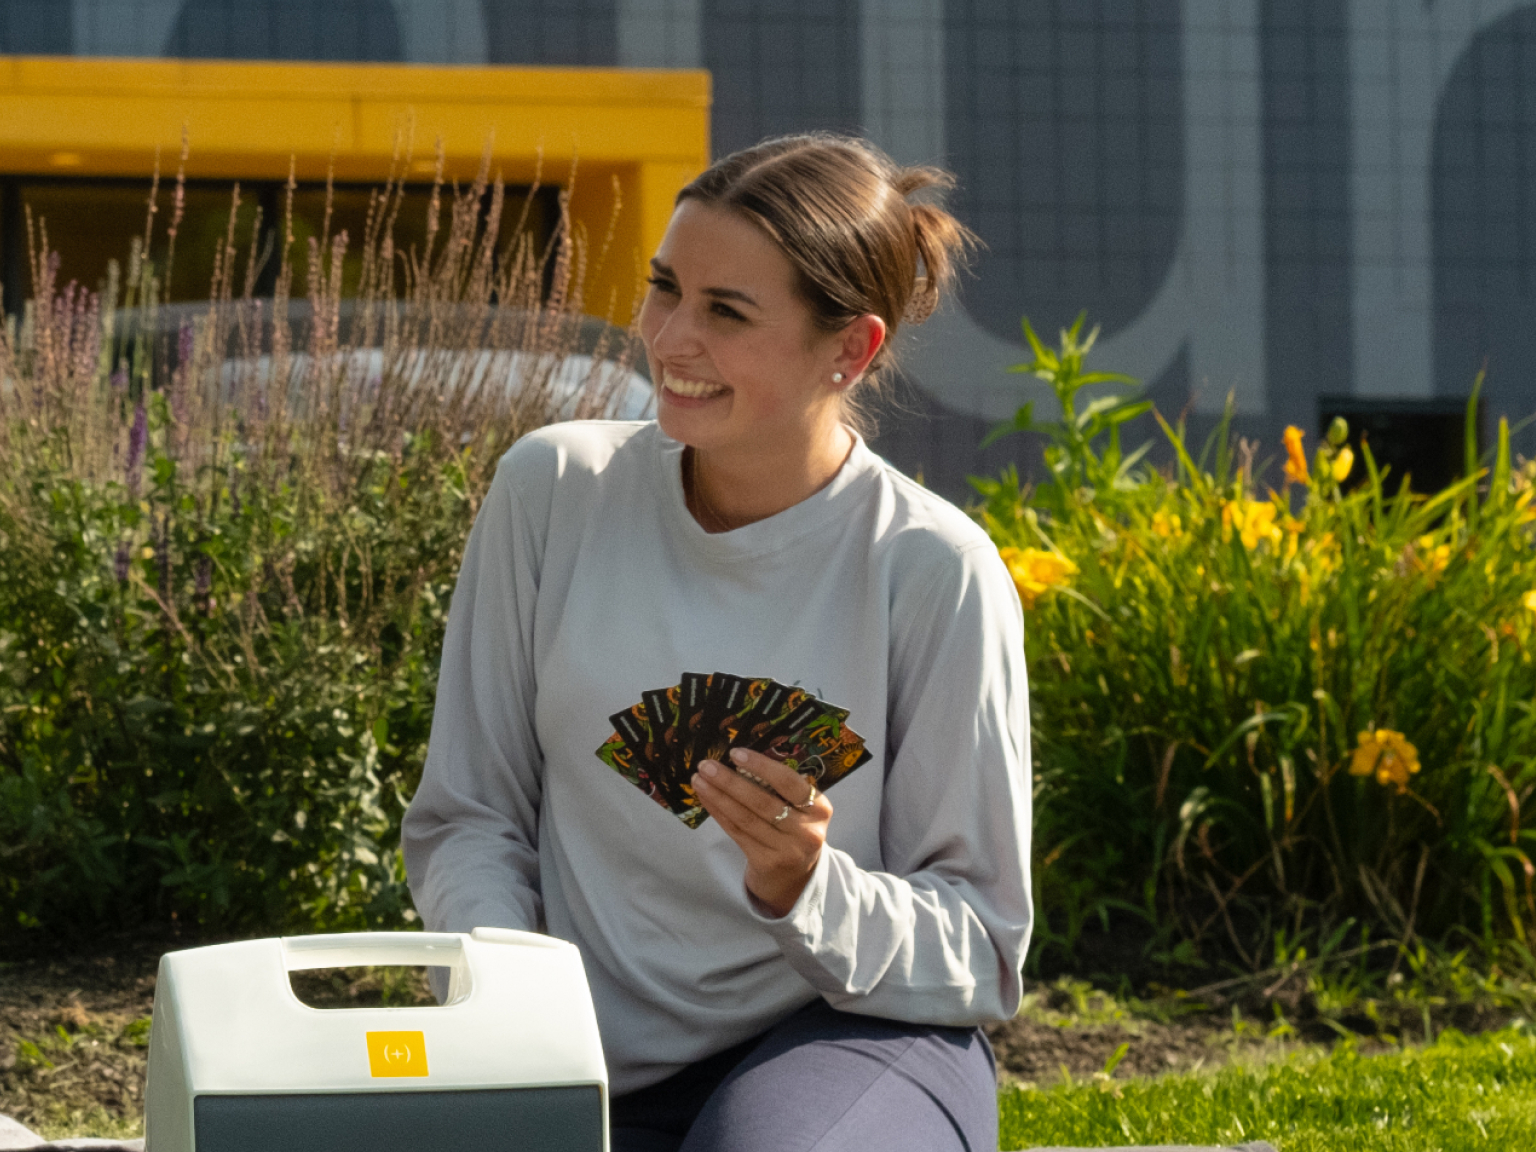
(658,744)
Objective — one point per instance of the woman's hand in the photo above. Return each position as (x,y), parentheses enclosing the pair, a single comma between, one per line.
(779,831)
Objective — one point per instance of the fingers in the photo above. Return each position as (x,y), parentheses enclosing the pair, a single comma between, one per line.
(760,800)
(777,776)
(740,807)
(781,854)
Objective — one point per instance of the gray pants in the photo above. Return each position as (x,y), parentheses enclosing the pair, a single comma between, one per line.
(824,1080)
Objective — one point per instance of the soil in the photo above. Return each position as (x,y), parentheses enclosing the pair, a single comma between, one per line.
(72,1048)
(74,1032)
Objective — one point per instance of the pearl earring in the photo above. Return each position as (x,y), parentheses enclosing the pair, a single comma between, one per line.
(837,377)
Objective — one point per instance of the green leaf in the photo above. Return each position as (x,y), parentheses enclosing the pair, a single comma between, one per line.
(1469,434)
(1114,1060)
(1023,421)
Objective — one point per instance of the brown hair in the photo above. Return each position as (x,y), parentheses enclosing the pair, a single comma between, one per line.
(838,208)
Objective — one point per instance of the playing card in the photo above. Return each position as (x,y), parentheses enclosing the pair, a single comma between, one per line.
(633,727)
(773,701)
(789,724)
(823,750)
(618,755)
(661,711)
(727,697)
(693,695)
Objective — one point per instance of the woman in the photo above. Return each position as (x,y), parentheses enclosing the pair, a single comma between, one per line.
(785,975)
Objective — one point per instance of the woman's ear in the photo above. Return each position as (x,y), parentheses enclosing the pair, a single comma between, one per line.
(860,339)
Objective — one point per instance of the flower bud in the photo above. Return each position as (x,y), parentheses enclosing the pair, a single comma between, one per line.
(1338,431)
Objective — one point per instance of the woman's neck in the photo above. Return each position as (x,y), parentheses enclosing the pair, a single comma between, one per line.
(730,489)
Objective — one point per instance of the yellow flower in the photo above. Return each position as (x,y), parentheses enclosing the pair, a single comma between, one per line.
(1342,463)
(1036,571)
(1253,519)
(1525,513)
(1296,459)
(1324,552)
(1387,755)
(1430,558)
(1293,530)
(1167,523)
(1529,600)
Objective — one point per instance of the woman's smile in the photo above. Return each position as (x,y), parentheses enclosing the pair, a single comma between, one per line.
(690,393)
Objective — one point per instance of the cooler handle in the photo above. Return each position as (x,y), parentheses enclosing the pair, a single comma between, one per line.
(358,949)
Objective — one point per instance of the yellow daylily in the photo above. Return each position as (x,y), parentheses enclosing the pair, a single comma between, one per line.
(1253,519)
(1296,459)
(1343,463)
(1529,600)
(1387,755)
(1293,530)
(1036,571)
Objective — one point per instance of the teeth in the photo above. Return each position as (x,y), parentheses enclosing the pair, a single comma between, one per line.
(693,389)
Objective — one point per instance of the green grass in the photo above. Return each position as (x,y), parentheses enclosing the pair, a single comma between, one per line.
(1459,1093)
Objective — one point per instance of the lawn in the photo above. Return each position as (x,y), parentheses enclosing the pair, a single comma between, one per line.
(1458,1093)
(74,1035)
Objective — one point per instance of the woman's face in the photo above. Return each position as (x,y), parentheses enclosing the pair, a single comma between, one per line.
(738,362)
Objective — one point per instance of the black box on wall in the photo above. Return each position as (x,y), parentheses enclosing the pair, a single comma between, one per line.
(1422,439)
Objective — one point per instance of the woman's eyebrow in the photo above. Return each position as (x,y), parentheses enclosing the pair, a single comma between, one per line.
(718,293)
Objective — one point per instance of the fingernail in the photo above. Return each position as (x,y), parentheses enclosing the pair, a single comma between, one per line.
(739,755)
(709,768)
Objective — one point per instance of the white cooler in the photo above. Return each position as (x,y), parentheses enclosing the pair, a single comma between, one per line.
(511,1060)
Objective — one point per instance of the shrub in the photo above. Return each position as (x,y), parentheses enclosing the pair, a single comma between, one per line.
(1260,714)
(230,534)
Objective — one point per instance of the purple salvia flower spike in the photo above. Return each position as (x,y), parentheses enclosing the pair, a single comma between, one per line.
(138,437)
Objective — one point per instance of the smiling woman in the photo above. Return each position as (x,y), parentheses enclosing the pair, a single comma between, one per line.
(760,965)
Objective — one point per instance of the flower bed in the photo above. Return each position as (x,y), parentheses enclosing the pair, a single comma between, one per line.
(1275,708)
(230,533)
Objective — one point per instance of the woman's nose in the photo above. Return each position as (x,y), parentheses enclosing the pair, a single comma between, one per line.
(677,335)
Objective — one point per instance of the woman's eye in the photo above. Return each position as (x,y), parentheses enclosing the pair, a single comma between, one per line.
(661,285)
(728,312)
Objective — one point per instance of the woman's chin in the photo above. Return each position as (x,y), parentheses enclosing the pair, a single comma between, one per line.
(689,418)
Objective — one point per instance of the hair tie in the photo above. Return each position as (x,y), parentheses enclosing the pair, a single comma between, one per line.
(921,306)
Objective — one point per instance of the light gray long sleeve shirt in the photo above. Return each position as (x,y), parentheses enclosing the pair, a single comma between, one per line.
(587,582)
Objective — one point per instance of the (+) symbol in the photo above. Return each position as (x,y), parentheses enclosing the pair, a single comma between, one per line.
(397,1054)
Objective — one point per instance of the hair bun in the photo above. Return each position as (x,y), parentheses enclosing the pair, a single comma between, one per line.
(942,243)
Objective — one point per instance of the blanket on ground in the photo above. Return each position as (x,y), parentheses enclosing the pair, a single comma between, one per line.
(15,1137)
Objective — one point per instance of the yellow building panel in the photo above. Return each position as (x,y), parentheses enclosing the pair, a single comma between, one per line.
(647,129)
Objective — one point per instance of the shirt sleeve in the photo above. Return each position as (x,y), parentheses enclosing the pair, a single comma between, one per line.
(940,936)
(470,837)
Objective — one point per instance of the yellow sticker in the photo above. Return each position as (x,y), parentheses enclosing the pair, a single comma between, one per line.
(397,1054)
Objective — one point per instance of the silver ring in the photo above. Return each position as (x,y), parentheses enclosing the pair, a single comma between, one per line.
(782,814)
(809,801)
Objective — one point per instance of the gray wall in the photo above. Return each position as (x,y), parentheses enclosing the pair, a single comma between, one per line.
(44,27)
